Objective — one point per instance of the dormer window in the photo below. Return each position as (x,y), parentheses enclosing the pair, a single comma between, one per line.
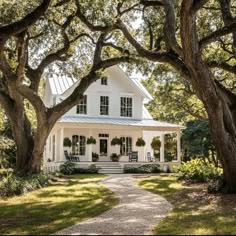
(104,81)
(82,106)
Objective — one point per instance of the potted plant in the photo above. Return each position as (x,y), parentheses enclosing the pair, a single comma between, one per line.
(156,145)
(91,140)
(115,157)
(140,142)
(116,142)
(67,142)
(95,156)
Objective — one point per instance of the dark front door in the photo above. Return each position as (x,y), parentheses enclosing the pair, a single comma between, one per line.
(103,147)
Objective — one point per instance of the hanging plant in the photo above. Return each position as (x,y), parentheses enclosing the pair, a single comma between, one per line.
(140,142)
(116,141)
(91,140)
(67,142)
(169,145)
(156,143)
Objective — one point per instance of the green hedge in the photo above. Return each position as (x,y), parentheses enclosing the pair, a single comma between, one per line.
(69,168)
(147,168)
(198,171)
(12,185)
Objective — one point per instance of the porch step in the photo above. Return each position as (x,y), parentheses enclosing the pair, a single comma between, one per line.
(109,168)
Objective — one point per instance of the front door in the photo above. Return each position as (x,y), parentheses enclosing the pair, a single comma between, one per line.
(103,147)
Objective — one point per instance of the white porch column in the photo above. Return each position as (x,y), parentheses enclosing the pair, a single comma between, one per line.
(90,148)
(178,147)
(162,149)
(61,155)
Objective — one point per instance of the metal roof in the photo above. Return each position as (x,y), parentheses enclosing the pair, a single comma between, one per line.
(142,88)
(59,84)
(118,121)
(146,114)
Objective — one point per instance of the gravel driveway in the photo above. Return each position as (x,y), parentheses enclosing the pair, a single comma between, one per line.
(136,214)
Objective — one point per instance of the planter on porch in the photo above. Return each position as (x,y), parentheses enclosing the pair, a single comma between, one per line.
(115,157)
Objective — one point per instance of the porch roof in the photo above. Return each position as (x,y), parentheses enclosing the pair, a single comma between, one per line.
(148,123)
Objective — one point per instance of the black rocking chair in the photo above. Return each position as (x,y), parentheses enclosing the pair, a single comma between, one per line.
(71,157)
(133,156)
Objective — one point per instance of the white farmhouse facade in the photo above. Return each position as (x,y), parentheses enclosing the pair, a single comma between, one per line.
(112,107)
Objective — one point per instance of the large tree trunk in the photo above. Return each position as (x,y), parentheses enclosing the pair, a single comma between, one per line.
(220,106)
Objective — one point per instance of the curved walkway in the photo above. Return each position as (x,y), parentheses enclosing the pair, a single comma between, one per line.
(136,214)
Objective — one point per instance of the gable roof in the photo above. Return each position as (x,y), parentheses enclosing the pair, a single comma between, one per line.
(61,84)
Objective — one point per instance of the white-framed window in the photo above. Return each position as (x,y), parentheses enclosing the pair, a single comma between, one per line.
(126,146)
(126,106)
(104,81)
(78,145)
(82,106)
(103,135)
(104,105)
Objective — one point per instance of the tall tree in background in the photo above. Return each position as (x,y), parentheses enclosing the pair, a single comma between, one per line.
(36,36)
(198,39)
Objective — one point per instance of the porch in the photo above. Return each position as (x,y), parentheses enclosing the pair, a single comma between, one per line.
(103,133)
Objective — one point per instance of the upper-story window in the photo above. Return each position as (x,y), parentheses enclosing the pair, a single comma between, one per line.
(104,81)
(104,105)
(126,106)
(82,106)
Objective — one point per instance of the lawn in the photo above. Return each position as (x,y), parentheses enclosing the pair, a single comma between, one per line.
(194,210)
(56,207)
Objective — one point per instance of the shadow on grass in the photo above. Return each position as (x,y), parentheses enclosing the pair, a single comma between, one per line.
(54,208)
(194,210)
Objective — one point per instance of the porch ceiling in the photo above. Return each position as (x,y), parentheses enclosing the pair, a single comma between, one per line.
(145,124)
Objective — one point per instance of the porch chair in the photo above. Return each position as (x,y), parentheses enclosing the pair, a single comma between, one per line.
(133,156)
(149,157)
(71,157)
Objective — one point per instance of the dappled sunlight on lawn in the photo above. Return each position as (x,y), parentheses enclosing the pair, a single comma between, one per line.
(55,207)
(194,210)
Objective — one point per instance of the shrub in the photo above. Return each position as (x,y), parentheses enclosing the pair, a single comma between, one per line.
(198,171)
(91,170)
(147,168)
(67,168)
(15,185)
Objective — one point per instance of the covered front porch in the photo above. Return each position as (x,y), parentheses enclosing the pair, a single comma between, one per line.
(79,132)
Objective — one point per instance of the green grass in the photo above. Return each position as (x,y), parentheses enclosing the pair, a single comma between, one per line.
(194,210)
(56,207)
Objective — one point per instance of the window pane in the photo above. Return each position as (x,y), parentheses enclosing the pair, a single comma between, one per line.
(126,107)
(104,105)
(82,106)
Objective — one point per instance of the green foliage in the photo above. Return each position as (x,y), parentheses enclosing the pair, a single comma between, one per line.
(12,185)
(196,139)
(147,168)
(116,141)
(95,156)
(91,140)
(67,168)
(156,143)
(198,171)
(140,142)
(91,170)
(67,142)
(115,157)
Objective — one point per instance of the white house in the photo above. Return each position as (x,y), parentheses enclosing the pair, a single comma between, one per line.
(112,107)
